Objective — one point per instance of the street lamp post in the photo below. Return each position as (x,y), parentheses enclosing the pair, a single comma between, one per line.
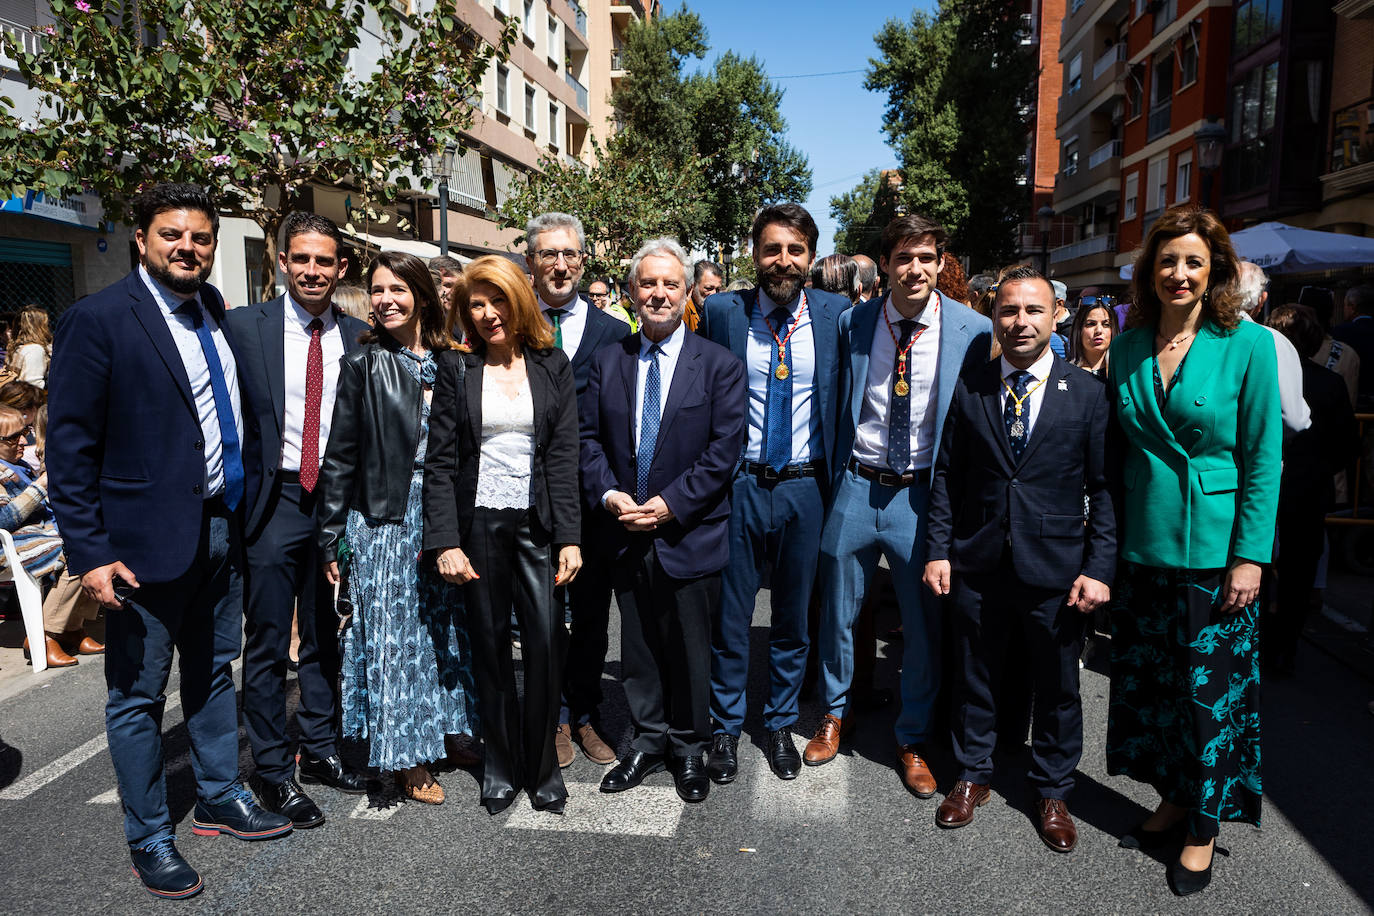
(441,167)
(1211,144)
(1045,215)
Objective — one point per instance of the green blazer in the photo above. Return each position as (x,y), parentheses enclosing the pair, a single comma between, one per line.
(1201,478)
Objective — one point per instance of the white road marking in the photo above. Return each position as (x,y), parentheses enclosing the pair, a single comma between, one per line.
(649,810)
(70,761)
(361,811)
(816,794)
(106,798)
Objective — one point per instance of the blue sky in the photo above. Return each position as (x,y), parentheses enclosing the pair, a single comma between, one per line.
(833,119)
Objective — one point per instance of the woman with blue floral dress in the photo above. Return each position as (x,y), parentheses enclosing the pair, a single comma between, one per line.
(407,682)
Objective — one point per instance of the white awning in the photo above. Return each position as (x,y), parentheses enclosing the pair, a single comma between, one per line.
(409,246)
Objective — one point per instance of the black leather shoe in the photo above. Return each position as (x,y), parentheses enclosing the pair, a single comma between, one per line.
(288,798)
(722,764)
(239,816)
(331,772)
(689,774)
(164,872)
(1185,881)
(631,771)
(782,754)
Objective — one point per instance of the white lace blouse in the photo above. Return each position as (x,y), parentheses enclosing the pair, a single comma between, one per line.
(507,453)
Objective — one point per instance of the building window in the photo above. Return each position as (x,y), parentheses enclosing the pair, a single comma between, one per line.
(1183,177)
(1071,158)
(501,8)
(529,107)
(1166,11)
(527,21)
(1187,61)
(1075,80)
(1135,95)
(1161,96)
(553,126)
(1157,186)
(1256,21)
(553,38)
(1254,98)
(1132,191)
(502,89)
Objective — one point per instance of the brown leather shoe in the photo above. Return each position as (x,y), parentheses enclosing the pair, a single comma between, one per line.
(597,751)
(960,804)
(562,744)
(823,747)
(76,642)
(57,657)
(915,771)
(1056,826)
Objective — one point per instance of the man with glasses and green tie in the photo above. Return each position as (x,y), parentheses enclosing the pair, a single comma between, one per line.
(555,250)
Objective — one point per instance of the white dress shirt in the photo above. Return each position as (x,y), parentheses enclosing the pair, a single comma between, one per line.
(667,362)
(296,350)
(198,373)
(1296,415)
(572,324)
(1035,388)
(922,368)
(759,349)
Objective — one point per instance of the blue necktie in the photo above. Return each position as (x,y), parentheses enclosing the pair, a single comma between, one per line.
(777,415)
(224,408)
(1017,422)
(648,426)
(899,407)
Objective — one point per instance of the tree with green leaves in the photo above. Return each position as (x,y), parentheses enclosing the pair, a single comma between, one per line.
(254,99)
(863,211)
(622,200)
(956,84)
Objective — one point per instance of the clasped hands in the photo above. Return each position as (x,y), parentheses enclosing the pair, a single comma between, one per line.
(634,516)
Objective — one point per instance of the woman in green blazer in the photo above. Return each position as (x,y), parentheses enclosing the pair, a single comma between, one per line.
(1196,398)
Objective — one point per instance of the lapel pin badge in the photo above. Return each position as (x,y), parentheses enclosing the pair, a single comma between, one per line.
(1063,384)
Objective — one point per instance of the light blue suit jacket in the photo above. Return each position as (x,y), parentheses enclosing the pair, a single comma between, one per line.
(965,339)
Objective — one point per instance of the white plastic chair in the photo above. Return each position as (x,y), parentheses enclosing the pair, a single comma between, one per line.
(30,596)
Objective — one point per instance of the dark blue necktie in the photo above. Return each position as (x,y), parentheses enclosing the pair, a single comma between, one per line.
(230,457)
(648,425)
(899,407)
(777,415)
(1017,421)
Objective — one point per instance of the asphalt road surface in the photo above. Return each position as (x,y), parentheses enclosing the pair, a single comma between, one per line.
(841,838)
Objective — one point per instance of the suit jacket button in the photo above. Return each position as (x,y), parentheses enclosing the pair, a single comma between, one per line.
(196,489)
(199,445)
(1200,401)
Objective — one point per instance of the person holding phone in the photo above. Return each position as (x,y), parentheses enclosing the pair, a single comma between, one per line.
(502,515)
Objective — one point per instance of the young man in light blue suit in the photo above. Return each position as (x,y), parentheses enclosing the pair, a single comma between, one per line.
(786,338)
(899,359)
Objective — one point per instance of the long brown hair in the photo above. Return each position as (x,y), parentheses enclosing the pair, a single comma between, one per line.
(1221,300)
(30,327)
(411,271)
(527,324)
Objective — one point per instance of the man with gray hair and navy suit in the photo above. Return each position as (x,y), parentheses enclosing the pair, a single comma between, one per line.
(900,357)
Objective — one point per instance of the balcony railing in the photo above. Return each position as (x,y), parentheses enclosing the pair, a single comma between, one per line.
(1104,153)
(1115,54)
(1352,135)
(579,17)
(25,37)
(1159,121)
(635,5)
(618,59)
(1098,244)
(578,89)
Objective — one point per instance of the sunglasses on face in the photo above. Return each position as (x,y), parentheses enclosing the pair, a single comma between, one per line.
(15,438)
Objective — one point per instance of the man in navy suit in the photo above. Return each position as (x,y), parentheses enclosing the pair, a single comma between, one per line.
(661,438)
(900,358)
(556,254)
(1009,536)
(785,336)
(153,460)
(1358,332)
(291,350)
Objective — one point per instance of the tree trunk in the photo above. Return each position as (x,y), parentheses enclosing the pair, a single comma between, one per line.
(270,224)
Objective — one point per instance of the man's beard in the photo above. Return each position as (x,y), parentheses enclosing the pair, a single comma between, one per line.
(782,287)
(176,282)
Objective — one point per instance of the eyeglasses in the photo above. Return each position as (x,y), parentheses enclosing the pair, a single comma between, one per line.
(16,437)
(572,256)
(598,296)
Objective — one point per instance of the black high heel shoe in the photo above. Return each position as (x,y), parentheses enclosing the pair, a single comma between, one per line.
(1140,838)
(1184,881)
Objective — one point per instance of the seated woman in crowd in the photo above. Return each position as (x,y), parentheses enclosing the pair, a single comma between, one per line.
(28,356)
(28,399)
(407,685)
(501,509)
(1094,327)
(1196,396)
(26,515)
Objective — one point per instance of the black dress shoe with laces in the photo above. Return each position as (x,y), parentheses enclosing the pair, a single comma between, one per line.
(289,799)
(239,816)
(722,764)
(631,771)
(164,872)
(331,772)
(689,774)
(782,754)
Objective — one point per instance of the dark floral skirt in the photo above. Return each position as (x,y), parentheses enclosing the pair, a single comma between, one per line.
(1184,714)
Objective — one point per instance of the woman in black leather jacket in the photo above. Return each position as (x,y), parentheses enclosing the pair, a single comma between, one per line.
(501,510)
(407,684)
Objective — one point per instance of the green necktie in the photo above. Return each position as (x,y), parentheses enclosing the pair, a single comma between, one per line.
(557,316)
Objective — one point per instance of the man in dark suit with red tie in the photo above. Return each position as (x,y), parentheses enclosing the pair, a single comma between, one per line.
(1026,561)
(292,347)
(662,427)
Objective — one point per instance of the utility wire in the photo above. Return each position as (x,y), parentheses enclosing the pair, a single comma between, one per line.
(802,76)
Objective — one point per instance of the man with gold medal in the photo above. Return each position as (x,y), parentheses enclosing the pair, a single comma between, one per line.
(900,357)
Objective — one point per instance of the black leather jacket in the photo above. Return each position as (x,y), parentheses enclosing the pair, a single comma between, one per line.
(372,440)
